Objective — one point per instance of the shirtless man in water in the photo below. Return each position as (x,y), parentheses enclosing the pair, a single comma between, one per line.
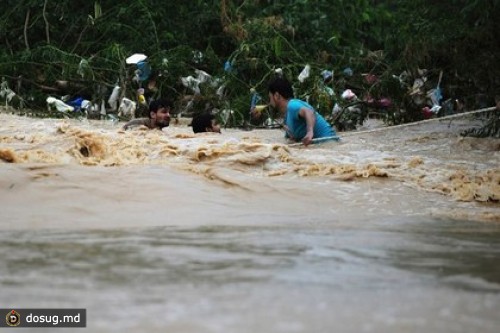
(159,116)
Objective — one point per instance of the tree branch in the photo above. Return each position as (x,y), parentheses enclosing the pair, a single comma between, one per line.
(47,25)
(26,21)
(79,38)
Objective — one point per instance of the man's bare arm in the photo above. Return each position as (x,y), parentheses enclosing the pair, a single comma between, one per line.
(310,118)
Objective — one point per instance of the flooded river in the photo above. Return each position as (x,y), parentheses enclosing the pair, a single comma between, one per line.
(391,230)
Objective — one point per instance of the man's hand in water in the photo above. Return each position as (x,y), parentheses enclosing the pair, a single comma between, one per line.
(308,138)
(310,119)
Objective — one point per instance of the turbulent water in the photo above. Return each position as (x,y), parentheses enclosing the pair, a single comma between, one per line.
(388,230)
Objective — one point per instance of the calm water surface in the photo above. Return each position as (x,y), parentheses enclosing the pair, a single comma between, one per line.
(390,275)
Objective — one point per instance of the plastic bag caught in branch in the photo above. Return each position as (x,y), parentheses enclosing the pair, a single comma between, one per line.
(113,98)
(306,72)
(135,58)
(143,71)
(58,104)
(84,69)
(191,83)
(203,76)
(349,95)
(6,92)
(436,95)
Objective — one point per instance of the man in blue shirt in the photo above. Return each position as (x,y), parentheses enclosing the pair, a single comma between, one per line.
(302,122)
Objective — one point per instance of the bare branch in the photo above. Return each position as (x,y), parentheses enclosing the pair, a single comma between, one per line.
(26,21)
(79,38)
(47,25)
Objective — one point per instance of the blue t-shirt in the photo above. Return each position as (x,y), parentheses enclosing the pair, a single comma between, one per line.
(298,126)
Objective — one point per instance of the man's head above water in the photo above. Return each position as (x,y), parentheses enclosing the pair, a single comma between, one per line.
(205,122)
(159,112)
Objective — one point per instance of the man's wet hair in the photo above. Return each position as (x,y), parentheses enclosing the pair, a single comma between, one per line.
(157,104)
(202,121)
(281,86)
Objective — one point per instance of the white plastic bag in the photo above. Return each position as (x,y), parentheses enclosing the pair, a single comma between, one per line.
(306,72)
(191,83)
(127,108)
(58,104)
(113,98)
(349,95)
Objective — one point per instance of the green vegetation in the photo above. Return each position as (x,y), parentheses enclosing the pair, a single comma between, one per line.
(79,48)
